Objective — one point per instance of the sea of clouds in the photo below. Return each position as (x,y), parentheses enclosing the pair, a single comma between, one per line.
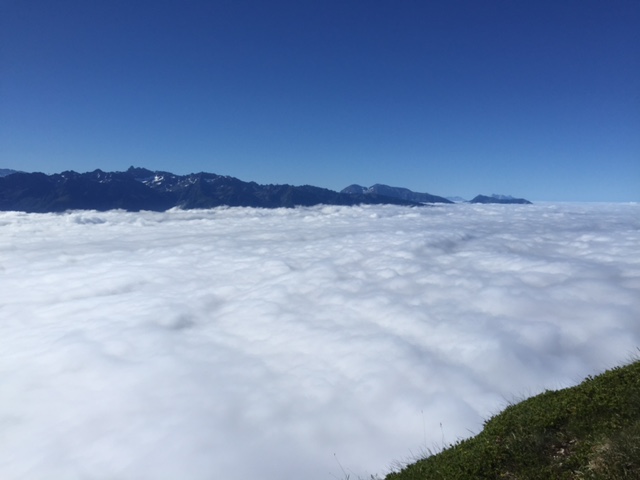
(240,343)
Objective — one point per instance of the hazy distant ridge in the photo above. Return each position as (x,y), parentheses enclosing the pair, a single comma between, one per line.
(505,199)
(406,194)
(6,171)
(395,192)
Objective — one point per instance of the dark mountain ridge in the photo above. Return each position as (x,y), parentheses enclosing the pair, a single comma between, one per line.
(141,189)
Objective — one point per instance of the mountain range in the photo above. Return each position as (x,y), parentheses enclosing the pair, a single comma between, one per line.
(141,189)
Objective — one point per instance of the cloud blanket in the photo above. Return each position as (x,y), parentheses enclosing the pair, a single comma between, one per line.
(240,343)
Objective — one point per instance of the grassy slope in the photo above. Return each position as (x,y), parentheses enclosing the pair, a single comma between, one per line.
(590,431)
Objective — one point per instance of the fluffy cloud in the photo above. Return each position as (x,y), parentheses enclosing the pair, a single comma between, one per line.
(245,343)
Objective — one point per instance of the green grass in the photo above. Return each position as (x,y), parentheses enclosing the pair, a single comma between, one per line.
(590,431)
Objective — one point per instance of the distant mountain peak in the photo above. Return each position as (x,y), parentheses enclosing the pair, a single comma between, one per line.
(354,189)
(504,199)
(400,193)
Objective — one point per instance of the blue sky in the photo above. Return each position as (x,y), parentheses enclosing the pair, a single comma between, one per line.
(536,99)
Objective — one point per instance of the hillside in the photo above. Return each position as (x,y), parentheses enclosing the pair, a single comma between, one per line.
(590,431)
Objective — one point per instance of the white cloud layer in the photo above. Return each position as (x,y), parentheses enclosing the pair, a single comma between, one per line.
(243,343)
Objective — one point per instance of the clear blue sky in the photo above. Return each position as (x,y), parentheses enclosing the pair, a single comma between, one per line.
(539,99)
